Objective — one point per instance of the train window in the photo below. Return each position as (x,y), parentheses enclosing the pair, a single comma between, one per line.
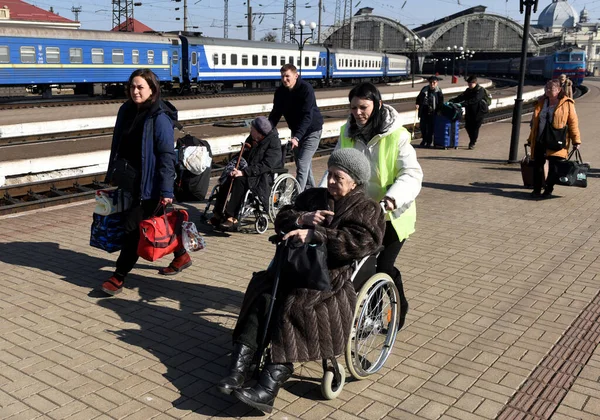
(27,54)
(75,55)
(254,60)
(298,62)
(234,59)
(244,60)
(150,57)
(135,57)
(282,60)
(165,57)
(314,61)
(4,56)
(291,60)
(216,59)
(306,61)
(265,60)
(576,57)
(346,63)
(118,56)
(52,55)
(194,58)
(562,57)
(175,57)
(223,59)
(273,60)
(97,56)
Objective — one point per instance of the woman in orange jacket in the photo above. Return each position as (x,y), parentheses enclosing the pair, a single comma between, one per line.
(557,108)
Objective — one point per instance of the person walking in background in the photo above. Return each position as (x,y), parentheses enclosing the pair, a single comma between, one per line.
(566,85)
(295,100)
(376,130)
(555,108)
(142,163)
(471,99)
(428,103)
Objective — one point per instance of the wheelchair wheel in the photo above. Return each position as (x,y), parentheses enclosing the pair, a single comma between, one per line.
(211,199)
(262,223)
(284,192)
(374,326)
(330,388)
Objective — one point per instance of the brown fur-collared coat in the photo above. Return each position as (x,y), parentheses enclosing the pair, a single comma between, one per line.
(312,324)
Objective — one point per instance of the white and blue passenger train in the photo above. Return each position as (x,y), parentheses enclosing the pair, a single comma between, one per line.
(45,56)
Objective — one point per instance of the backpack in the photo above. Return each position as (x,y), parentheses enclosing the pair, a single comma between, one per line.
(486,101)
(194,160)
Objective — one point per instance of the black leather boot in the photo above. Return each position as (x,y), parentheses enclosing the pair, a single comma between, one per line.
(403,301)
(241,358)
(262,395)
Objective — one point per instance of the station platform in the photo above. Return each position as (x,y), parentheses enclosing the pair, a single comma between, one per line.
(504,317)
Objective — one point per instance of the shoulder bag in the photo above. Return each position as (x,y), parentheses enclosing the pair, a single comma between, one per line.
(553,138)
(572,173)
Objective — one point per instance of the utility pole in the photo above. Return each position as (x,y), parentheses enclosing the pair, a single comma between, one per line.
(185,25)
(289,17)
(319,30)
(122,12)
(226,20)
(518,109)
(249,21)
(76,11)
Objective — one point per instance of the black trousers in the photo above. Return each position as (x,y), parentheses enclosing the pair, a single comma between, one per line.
(427,124)
(472,126)
(238,191)
(539,160)
(387,257)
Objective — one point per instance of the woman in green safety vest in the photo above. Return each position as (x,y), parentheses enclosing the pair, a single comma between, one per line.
(396,176)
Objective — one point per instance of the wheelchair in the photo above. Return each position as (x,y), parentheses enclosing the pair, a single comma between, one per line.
(374,331)
(284,191)
(374,327)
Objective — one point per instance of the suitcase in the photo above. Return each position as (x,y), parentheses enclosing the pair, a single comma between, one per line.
(527,169)
(445,132)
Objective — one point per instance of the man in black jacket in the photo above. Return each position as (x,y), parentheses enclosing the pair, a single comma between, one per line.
(295,100)
(263,155)
(428,103)
(471,99)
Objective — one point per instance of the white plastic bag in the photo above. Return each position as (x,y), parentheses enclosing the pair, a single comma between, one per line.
(196,159)
(192,240)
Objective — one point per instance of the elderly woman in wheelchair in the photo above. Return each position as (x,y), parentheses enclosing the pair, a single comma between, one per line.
(307,324)
(262,152)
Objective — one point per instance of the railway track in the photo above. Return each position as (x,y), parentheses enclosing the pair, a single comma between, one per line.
(32,196)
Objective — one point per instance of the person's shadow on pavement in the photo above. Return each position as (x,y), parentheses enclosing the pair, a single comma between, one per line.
(185,325)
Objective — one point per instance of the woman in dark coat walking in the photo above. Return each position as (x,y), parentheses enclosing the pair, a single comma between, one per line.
(262,152)
(309,324)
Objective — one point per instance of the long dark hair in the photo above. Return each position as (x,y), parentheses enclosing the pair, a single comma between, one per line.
(150,78)
(369,92)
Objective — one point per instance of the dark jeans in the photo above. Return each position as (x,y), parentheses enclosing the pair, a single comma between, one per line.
(238,191)
(539,160)
(129,256)
(427,124)
(472,127)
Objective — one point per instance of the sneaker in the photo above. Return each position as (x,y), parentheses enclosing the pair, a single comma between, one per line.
(177,265)
(113,286)
(471,146)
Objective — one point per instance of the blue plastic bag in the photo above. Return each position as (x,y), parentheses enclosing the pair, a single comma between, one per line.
(107,232)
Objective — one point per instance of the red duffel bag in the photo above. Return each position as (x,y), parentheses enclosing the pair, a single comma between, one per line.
(161,234)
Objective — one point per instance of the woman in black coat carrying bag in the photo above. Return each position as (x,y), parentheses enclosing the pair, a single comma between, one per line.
(308,324)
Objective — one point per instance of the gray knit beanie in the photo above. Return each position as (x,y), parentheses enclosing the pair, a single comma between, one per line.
(262,125)
(353,162)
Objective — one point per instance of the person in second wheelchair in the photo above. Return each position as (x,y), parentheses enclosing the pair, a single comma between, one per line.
(263,155)
(308,324)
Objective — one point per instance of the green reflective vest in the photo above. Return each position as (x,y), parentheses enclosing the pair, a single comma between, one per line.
(384,176)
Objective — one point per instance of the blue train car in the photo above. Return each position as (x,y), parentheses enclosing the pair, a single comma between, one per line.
(571,61)
(46,56)
(396,66)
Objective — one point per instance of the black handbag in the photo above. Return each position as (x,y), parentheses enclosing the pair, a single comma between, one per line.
(303,266)
(572,173)
(124,176)
(553,138)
